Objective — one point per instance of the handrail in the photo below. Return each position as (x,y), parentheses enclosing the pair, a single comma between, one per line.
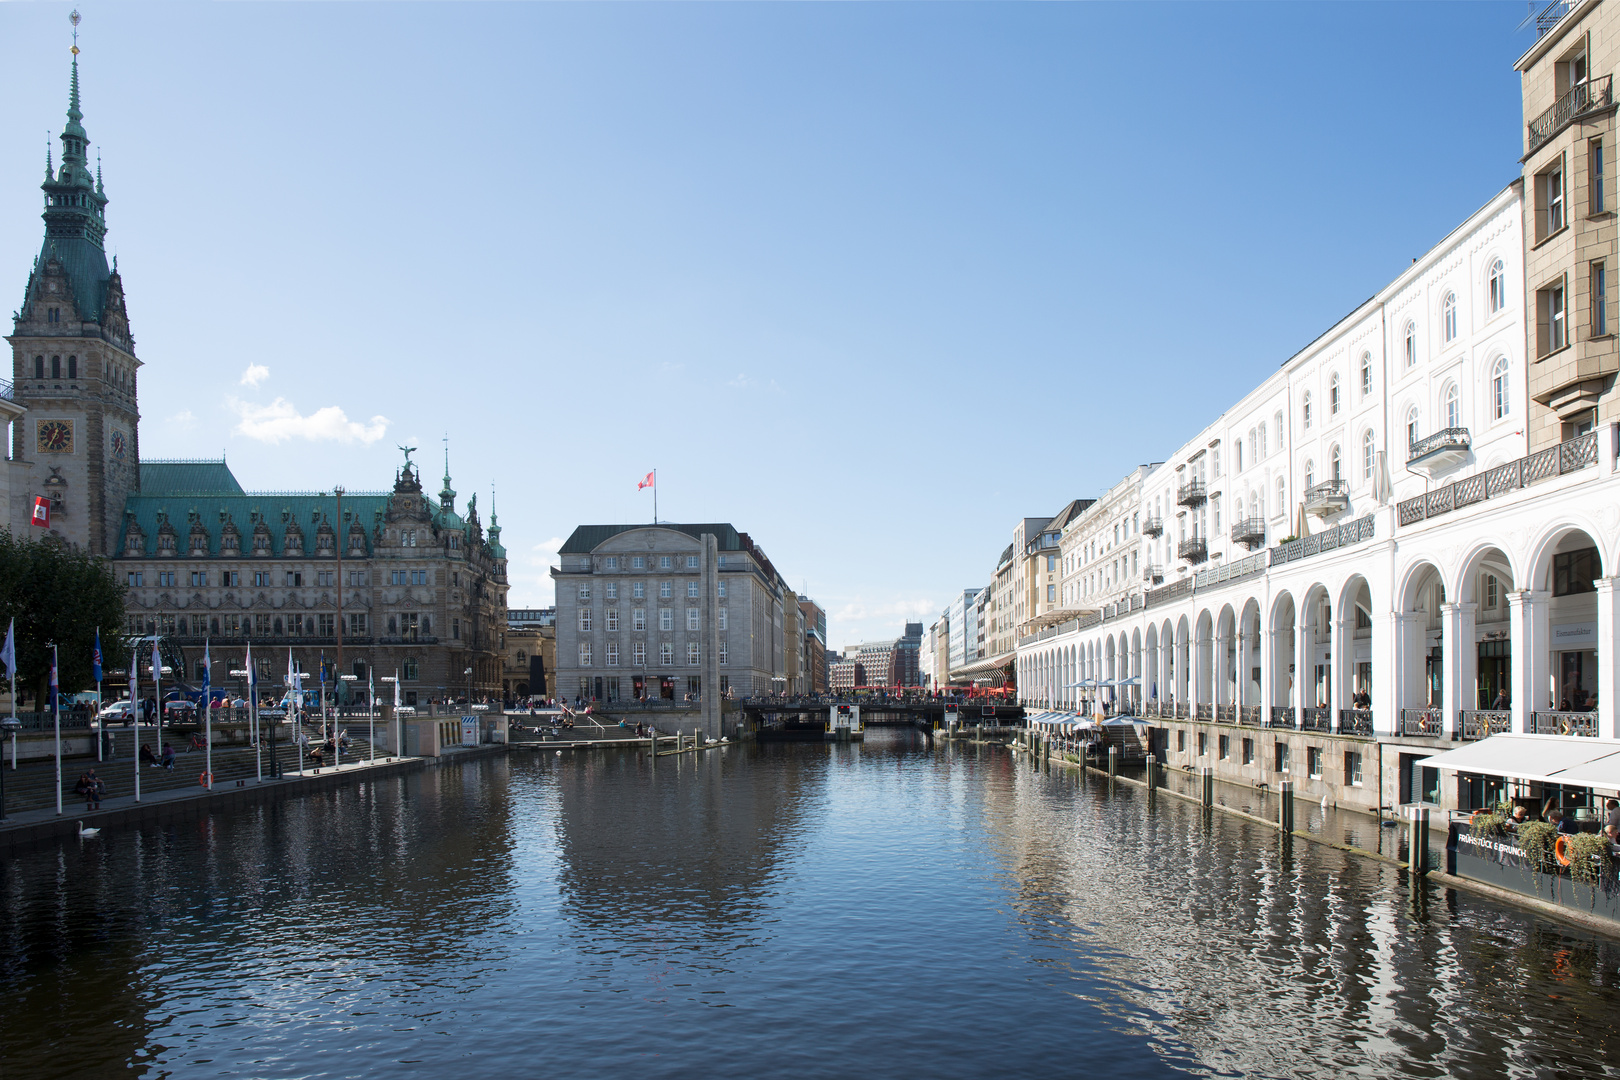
(1193,493)
(1451,438)
(1589,96)
(1569,456)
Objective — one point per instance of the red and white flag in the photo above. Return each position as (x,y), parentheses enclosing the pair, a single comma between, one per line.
(42,511)
(647,483)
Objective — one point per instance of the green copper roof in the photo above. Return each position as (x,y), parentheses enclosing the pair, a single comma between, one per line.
(588,538)
(188,477)
(277,511)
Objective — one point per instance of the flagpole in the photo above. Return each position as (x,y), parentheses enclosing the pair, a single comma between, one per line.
(371,710)
(11,638)
(99,702)
(253,715)
(655,496)
(208,720)
(134,710)
(56,721)
(157,691)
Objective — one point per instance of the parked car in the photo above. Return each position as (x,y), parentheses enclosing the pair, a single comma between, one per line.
(119,712)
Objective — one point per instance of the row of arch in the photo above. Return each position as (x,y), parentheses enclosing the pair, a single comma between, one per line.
(1314,645)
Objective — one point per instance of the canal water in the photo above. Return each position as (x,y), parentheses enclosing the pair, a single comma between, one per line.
(802,909)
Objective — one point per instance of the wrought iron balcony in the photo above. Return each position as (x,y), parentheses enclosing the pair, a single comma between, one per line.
(1194,550)
(1153,526)
(1439,450)
(1591,96)
(1250,532)
(1192,494)
(1153,575)
(1327,498)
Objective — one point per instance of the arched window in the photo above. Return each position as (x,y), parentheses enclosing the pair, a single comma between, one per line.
(1237,454)
(1411,427)
(1334,472)
(1258,503)
(1310,474)
(1307,410)
(1411,344)
(1452,406)
(1254,445)
(1333,395)
(1497,287)
(1366,373)
(1369,447)
(1263,436)
(1499,388)
(73,367)
(56,367)
(1448,316)
(1282,495)
(39,367)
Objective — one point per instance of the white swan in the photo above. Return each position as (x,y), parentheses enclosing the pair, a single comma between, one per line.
(88,832)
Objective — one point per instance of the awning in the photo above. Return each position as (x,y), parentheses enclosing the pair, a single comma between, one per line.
(1552,759)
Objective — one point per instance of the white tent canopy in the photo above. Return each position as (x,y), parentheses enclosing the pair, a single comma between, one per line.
(1550,759)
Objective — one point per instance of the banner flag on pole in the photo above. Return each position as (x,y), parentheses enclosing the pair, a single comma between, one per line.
(206,668)
(647,483)
(157,662)
(42,512)
(253,676)
(54,703)
(8,655)
(95,658)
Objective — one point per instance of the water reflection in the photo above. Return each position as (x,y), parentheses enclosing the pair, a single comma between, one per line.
(813,910)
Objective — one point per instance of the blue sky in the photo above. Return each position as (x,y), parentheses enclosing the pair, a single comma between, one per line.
(869,281)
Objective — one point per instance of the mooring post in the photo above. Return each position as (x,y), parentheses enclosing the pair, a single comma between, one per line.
(1113,762)
(1417,843)
(1208,773)
(1285,792)
(1152,771)
(697,738)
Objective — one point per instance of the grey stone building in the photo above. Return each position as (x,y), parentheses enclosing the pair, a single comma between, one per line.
(643,614)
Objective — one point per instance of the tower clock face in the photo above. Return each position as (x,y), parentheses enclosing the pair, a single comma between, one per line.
(55,436)
(119,446)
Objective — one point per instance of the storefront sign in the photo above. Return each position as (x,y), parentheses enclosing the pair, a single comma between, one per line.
(1574,636)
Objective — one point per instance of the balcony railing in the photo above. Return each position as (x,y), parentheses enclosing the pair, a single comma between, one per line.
(1225,714)
(1153,526)
(1590,96)
(1194,549)
(1481,723)
(1153,575)
(1282,716)
(1351,532)
(1248,715)
(1569,456)
(1192,494)
(1355,722)
(6,390)
(1563,723)
(1328,497)
(1203,710)
(1451,441)
(1250,532)
(1426,723)
(1316,720)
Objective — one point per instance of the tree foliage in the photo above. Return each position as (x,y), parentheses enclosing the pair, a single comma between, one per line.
(62,595)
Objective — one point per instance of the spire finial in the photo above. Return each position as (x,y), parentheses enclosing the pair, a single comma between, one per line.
(73,101)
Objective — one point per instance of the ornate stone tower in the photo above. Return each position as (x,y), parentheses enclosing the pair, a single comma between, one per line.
(73,362)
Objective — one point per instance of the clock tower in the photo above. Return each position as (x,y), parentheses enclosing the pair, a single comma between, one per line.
(73,362)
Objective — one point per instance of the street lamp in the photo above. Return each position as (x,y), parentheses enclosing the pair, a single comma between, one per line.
(468,673)
(9,726)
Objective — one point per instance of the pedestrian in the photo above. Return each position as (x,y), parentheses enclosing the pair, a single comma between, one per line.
(85,790)
(168,756)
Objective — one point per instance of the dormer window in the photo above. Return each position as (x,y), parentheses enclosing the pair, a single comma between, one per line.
(53,315)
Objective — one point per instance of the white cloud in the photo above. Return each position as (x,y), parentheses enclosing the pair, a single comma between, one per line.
(533,580)
(279,421)
(254,375)
(183,418)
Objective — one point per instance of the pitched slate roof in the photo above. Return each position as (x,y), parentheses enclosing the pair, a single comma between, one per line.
(588,538)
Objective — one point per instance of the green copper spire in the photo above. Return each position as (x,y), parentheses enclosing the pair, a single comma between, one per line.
(447,495)
(75,211)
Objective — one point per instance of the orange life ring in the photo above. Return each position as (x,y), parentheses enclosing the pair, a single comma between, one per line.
(1561,850)
(206,779)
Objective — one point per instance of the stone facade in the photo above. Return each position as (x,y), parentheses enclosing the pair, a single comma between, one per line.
(412,587)
(630,614)
(1570,252)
